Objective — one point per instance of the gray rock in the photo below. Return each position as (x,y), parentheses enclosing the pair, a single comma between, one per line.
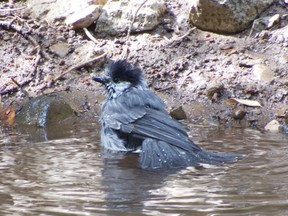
(262,72)
(117,16)
(264,23)
(39,8)
(61,49)
(224,16)
(214,88)
(84,18)
(273,126)
(280,35)
(58,10)
(82,53)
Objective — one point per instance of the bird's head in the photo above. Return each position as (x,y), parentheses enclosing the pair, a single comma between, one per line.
(120,76)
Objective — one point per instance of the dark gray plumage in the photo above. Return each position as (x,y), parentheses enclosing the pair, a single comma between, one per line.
(134,119)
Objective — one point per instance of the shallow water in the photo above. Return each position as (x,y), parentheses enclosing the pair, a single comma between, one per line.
(69,176)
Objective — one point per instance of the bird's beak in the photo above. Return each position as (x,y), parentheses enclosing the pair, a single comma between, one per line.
(101,80)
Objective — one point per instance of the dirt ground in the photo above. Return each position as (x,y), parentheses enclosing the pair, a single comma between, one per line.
(187,67)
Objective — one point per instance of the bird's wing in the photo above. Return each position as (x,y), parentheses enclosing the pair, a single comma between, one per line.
(130,106)
(143,115)
(160,126)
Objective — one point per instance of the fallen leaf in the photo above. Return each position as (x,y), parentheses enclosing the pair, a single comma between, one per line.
(7,115)
(273,126)
(252,103)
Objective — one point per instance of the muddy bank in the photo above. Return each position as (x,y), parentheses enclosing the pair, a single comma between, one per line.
(196,69)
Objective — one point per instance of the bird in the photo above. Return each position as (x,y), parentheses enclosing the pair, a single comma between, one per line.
(135,119)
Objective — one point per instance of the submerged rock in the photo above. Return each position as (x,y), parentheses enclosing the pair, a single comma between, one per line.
(45,110)
(47,117)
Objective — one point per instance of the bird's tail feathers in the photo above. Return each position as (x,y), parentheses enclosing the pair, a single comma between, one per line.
(217,158)
(157,154)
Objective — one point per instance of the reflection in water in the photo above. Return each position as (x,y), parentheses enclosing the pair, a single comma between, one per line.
(71,176)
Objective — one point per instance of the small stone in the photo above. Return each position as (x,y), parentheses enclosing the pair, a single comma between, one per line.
(178,113)
(6,37)
(43,28)
(263,73)
(249,63)
(238,113)
(72,33)
(214,88)
(61,49)
(272,126)
(281,113)
(286,118)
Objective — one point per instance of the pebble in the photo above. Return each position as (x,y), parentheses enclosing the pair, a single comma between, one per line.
(238,113)
(272,126)
(178,113)
(61,49)
(213,88)
(262,72)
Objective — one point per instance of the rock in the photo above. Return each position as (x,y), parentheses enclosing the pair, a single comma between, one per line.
(248,62)
(84,18)
(272,126)
(61,49)
(76,12)
(238,113)
(282,112)
(117,16)
(286,118)
(178,113)
(265,22)
(224,16)
(279,35)
(48,117)
(262,72)
(214,88)
(39,8)
(84,52)
(45,110)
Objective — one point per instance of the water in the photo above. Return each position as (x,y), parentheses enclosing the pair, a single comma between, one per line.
(69,176)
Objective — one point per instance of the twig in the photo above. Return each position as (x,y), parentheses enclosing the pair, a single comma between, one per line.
(25,34)
(12,9)
(125,50)
(89,35)
(80,65)
(181,37)
(134,18)
(165,88)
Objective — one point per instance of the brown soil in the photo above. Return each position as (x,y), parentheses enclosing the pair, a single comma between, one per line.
(199,70)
